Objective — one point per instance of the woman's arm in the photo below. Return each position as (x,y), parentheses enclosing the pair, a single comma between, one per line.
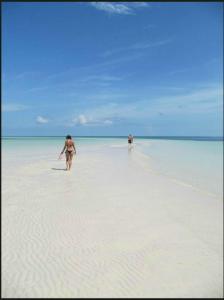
(63,149)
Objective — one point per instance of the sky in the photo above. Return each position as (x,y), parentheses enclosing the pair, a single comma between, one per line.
(112,68)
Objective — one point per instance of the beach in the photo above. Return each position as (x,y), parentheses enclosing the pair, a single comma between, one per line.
(113,226)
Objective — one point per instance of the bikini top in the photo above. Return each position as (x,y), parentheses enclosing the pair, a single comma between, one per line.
(69,144)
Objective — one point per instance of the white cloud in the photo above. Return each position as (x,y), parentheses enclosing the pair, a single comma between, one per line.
(102,115)
(13,107)
(139,4)
(124,8)
(80,120)
(41,120)
(91,120)
(112,8)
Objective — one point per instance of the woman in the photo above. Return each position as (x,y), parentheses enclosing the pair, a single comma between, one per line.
(70,150)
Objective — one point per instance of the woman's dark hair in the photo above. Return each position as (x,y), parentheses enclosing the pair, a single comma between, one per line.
(68,137)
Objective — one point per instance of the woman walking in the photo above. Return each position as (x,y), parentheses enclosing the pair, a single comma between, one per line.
(70,150)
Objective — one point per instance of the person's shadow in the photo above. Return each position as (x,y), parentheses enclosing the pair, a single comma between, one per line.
(57,169)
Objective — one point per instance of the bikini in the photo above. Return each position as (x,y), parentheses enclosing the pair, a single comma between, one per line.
(69,151)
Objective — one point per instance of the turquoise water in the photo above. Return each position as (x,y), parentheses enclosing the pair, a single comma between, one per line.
(198,162)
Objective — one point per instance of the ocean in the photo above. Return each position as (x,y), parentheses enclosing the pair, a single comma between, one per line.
(195,161)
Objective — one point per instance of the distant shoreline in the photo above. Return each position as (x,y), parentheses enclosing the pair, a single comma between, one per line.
(194,138)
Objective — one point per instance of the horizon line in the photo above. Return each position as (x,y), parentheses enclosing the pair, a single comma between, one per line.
(149,136)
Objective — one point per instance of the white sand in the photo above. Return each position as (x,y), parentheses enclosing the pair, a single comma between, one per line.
(109,228)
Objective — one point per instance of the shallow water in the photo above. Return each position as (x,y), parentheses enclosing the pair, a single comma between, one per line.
(196,162)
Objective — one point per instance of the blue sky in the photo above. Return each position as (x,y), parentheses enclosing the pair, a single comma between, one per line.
(112,68)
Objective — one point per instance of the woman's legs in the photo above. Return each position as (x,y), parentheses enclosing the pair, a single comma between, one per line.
(70,160)
(67,160)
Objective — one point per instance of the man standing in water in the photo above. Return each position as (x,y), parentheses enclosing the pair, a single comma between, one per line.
(70,150)
(130,139)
